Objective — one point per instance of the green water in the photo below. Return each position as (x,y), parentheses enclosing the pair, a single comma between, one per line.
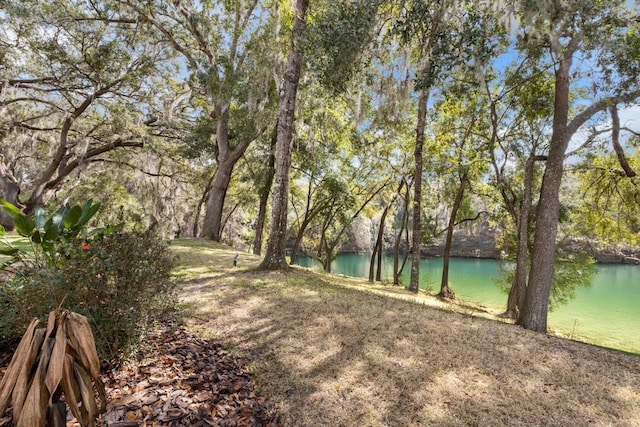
(606,314)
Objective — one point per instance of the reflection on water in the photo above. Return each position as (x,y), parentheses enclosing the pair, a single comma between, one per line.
(607,313)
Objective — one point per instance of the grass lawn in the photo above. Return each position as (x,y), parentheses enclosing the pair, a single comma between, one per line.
(335,351)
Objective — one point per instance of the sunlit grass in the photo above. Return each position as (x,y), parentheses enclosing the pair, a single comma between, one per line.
(199,259)
(331,350)
(16,240)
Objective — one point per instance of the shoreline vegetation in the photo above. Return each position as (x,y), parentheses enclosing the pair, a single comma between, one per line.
(335,350)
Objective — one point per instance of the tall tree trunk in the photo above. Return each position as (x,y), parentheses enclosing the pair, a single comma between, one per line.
(9,190)
(212,224)
(536,303)
(445,291)
(227,159)
(379,261)
(518,290)
(265,190)
(414,283)
(276,245)
(327,261)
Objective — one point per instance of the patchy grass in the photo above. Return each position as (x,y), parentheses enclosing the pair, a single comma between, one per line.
(200,259)
(337,351)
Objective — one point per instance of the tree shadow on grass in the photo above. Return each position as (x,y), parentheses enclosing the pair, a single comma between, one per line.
(337,356)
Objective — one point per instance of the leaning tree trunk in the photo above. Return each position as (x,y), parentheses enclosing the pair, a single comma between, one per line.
(518,290)
(372,261)
(445,290)
(379,261)
(227,159)
(265,190)
(276,245)
(376,256)
(9,190)
(536,303)
(298,242)
(397,269)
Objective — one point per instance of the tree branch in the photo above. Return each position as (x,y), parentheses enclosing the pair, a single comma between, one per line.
(69,167)
(615,140)
(596,107)
(177,46)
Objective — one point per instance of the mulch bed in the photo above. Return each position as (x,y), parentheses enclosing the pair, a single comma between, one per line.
(179,380)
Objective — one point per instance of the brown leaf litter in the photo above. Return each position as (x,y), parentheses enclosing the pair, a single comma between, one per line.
(179,380)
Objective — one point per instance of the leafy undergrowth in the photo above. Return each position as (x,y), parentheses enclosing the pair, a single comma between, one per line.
(327,351)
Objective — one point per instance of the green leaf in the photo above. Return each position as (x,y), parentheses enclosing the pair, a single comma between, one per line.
(75,213)
(36,238)
(105,230)
(58,218)
(2,231)
(24,225)
(88,211)
(10,208)
(6,264)
(51,234)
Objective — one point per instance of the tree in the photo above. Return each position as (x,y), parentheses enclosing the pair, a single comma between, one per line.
(72,92)
(321,159)
(445,34)
(9,190)
(460,155)
(336,54)
(608,191)
(274,258)
(363,186)
(224,48)
(566,30)
(264,190)
(426,23)
(520,104)
(378,247)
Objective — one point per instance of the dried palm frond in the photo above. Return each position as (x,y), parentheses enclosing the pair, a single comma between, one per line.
(58,359)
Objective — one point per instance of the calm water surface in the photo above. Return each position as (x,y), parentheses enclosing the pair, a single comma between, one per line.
(607,313)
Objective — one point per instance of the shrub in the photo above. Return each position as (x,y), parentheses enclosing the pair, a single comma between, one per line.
(120,282)
(569,275)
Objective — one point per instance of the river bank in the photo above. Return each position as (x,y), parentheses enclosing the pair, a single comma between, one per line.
(331,350)
(604,312)
(484,245)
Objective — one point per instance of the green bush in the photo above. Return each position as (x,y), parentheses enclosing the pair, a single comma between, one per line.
(120,282)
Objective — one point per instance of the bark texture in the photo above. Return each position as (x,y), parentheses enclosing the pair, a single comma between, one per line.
(226,159)
(9,190)
(416,241)
(445,291)
(536,302)
(274,258)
